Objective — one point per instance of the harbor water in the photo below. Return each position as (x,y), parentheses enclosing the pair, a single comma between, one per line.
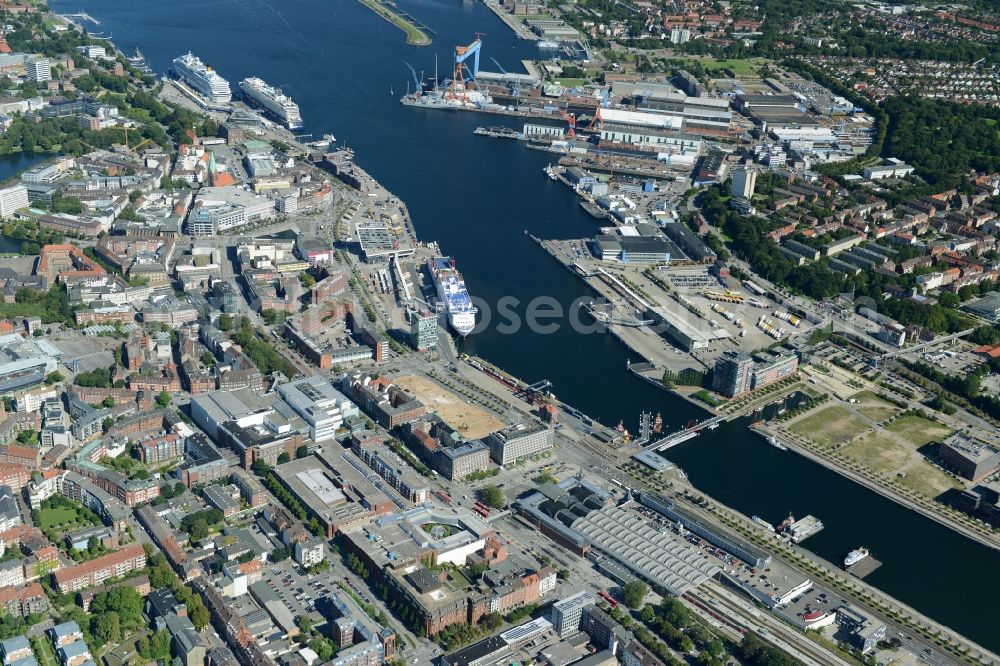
(477,196)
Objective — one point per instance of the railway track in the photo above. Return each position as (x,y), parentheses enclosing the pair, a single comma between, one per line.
(739,616)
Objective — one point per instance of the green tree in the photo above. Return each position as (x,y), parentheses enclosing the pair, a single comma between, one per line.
(634,593)
(54,378)
(493,497)
(107,628)
(323,648)
(283,458)
(200,617)
(163,399)
(302,451)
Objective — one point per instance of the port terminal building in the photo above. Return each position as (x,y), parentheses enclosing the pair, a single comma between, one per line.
(586,518)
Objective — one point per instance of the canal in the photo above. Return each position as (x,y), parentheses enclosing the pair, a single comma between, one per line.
(477,196)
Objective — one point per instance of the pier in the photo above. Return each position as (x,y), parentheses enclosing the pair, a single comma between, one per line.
(81,15)
(416,32)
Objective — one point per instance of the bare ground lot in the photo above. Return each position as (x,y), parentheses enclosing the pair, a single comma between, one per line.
(469,420)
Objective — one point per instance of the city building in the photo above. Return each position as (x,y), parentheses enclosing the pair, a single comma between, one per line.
(309,553)
(736,372)
(567,613)
(95,572)
(38,70)
(970,458)
(519,441)
(423,330)
(733,373)
(12,199)
(319,404)
(862,631)
(744,182)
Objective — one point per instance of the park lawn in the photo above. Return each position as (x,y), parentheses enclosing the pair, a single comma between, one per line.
(48,518)
(918,431)
(830,427)
(874,407)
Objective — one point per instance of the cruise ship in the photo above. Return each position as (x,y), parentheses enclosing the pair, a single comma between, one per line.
(452,294)
(855,556)
(272,100)
(202,79)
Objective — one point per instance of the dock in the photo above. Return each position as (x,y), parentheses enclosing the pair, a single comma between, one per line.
(864,568)
(804,528)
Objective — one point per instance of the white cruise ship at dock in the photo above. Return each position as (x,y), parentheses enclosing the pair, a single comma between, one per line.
(452,294)
(272,100)
(202,79)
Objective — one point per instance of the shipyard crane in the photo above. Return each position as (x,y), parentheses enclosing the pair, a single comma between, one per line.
(463,53)
(570,119)
(418,86)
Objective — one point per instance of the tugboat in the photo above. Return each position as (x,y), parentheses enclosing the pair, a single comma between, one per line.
(855,556)
(786,523)
(657,424)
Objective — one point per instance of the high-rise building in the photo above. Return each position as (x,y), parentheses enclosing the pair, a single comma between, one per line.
(423,330)
(39,70)
(12,199)
(733,373)
(744,181)
(567,613)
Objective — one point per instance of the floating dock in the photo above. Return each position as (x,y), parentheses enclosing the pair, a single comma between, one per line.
(594,210)
(864,567)
(805,528)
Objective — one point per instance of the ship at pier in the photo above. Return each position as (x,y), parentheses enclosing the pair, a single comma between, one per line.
(271,99)
(452,294)
(460,92)
(202,79)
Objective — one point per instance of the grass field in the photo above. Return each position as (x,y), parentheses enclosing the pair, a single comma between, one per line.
(918,431)
(928,480)
(48,518)
(715,67)
(830,427)
(875,407)
(878,451)
(894,451)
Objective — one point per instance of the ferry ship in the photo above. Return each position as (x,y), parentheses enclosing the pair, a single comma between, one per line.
(139,62)
(452,294)
(763,523)
(271,99)
(855,556)
(202,79)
